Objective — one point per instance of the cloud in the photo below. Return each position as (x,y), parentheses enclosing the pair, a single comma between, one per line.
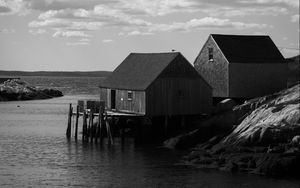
(136,32)
(7,31)
(37,32)
(204,23)
(4,9)
(77,43)
(295,18)
(244,11)
(151,8)
(84,40)
(69,34)
(107,40)
(292,3)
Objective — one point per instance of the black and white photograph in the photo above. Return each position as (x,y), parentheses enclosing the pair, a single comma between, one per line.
(149,93)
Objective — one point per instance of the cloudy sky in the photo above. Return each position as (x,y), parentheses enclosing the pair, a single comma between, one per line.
(80,35)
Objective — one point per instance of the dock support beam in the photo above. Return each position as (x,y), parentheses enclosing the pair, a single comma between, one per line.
(166,126)
(109,134)
(91,125)
(84,126)
(76,122)
(68,132)
(100,124)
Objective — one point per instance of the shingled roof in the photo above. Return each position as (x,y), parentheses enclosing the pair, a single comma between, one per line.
(138,70)
(248,48)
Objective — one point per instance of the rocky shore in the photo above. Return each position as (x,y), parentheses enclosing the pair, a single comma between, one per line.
(16,89)
(261,136)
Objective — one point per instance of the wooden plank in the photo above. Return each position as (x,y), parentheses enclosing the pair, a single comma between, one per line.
(84,127)
(68,132)
(76,123)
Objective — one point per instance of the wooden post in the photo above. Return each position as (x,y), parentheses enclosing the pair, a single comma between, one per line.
(100,124)
(76,122)
(122,124)
(84,126)
(91,127)
(182,122)
(166,126)
(68,132)
(108,129)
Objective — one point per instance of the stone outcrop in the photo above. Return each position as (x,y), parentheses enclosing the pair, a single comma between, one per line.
(16,89)
(264,137)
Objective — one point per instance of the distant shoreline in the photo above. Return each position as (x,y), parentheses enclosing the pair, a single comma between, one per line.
(55,73)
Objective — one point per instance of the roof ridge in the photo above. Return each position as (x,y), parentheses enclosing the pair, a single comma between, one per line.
(153,53)
(214,34)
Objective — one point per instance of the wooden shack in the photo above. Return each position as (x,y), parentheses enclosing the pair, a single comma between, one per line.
(156,84)
(241,66)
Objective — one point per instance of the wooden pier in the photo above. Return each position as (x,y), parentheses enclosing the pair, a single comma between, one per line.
(97,123)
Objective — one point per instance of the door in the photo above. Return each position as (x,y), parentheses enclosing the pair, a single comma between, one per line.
(113,99)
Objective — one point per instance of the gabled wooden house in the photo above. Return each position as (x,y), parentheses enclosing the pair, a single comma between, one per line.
(156,84)
(241,66)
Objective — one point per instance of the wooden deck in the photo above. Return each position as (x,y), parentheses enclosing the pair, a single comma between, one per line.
(112,113)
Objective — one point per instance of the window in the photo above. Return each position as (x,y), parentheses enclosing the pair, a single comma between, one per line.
(210,54)
(129,95)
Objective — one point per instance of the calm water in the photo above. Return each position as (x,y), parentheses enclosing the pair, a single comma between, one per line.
(35,153)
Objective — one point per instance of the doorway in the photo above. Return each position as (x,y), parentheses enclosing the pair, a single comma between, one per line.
(113,99)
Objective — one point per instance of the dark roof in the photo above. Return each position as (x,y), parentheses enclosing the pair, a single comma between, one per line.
(248,48)
(138,70)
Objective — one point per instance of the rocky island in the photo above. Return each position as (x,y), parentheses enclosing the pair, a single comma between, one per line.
(16,89)
(261,136)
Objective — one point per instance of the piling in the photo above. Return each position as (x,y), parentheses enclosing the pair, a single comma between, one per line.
(100,124)
(108,130)
(76,122)
(68,132)
(182,122)
(84,126)
(91,125)
(166,126)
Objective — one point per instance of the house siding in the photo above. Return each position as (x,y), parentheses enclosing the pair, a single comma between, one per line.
(136,105)
(214,72)
(254,80)
(194,99)
(179,90)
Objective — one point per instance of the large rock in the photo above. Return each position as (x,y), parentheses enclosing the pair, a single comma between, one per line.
(276,121)
(265,139)
(16,89)
(225,105)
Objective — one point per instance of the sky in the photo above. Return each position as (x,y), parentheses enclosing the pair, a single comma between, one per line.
(93,35)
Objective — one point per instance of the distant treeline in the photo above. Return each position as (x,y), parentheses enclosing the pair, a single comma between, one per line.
(55,73)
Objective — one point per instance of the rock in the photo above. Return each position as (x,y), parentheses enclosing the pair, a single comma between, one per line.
(265,139)
(274,122)
(16,89)
(225,105)
(296,140)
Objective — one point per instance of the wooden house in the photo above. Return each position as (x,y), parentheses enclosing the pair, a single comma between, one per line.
(156,84)
(241,66)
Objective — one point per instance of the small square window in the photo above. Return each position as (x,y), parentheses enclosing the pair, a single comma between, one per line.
(129,95)
(210,54)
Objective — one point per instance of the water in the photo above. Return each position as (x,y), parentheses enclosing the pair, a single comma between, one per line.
(35,153)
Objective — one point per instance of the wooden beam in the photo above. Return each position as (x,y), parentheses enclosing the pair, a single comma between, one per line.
(68,132)
(84,126)
(76,123)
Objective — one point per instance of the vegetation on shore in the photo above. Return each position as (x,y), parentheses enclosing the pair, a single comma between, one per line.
(16,89)
(56,73)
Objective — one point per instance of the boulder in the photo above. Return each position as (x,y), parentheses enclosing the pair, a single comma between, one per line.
(16,89)
(265,139)
(225,105)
